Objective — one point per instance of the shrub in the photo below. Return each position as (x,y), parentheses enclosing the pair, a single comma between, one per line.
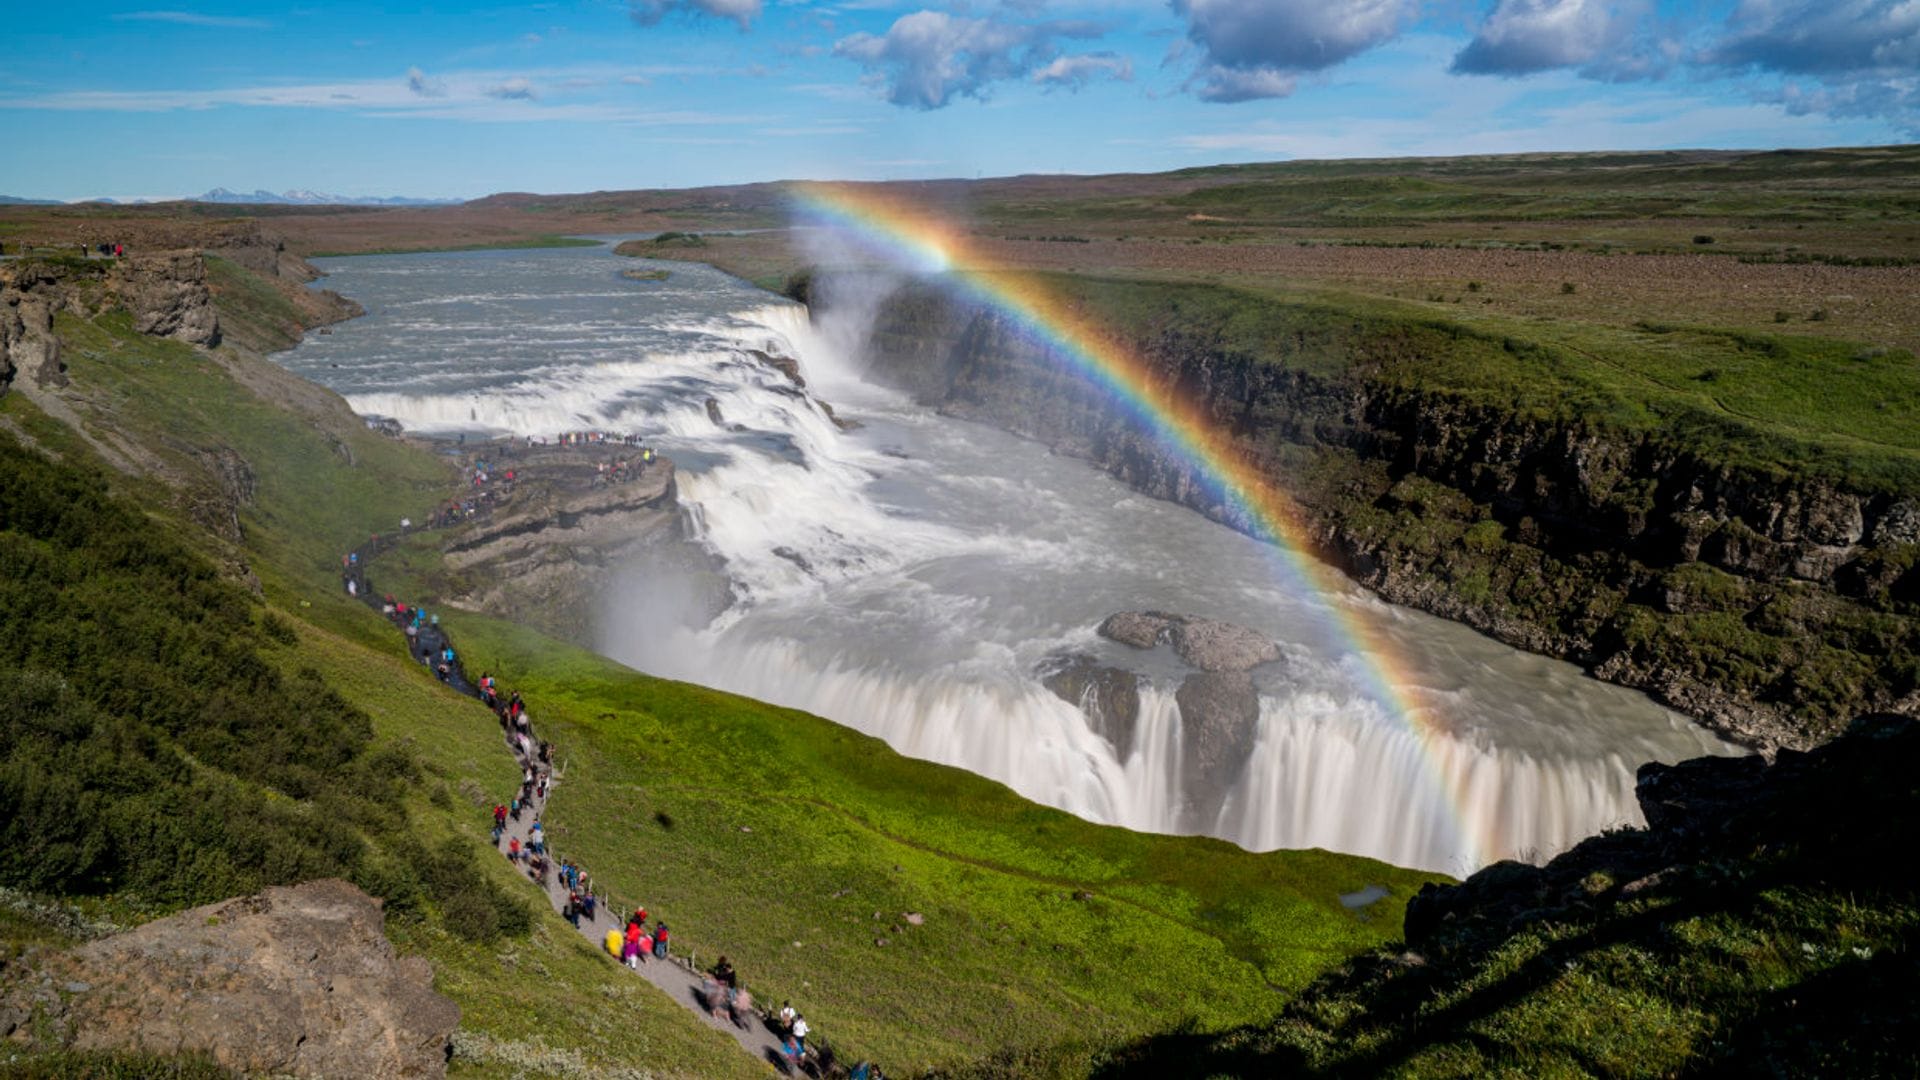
(153,751)
(1568,288)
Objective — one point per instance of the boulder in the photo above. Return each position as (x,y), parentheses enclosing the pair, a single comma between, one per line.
(1206,644)
(1108,696)
(296,981)
(1140,629)
(1211,645)
(785,365)
(1219,717)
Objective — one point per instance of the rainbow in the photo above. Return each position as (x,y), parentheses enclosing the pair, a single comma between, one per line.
(911,237)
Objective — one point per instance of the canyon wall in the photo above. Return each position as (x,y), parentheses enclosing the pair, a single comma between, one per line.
(1772,604)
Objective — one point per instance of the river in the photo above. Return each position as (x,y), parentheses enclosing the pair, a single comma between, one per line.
(909,577)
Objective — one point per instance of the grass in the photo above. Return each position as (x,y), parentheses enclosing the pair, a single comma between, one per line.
(251,310)
(320,481)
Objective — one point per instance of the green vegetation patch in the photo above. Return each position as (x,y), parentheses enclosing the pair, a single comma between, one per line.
(246,442)
(157,750)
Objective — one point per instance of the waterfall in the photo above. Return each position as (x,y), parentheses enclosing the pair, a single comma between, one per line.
(911,578)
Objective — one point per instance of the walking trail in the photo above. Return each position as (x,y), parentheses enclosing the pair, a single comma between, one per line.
(758,1033)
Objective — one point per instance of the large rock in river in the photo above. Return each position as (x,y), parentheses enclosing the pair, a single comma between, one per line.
(1108,696)
(295,981)
(1207,644)
(1219,719)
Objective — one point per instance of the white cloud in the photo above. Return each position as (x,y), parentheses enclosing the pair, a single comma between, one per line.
(1864,54)
(418,82)
(649,12)
(514,89)
(1256,48)
(1830,37)
(928,58)
(1075,72)
(1613,40)
(194,18)
(476,96)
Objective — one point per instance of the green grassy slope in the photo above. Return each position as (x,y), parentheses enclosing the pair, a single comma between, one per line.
(173,741)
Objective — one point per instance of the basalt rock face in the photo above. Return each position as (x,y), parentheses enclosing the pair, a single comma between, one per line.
(1749,599)
(29,295)
(165,293)
(295,981)
(167,296)
(1219,721)
(549,553)
(1218,701)
(1207,644)
(1109,696)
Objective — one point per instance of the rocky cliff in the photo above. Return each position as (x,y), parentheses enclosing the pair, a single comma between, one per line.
(296,981)
(546,556)
(1772,605)
(165,294)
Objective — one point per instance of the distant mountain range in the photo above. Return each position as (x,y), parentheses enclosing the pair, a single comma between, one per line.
(252,198)
(313,198)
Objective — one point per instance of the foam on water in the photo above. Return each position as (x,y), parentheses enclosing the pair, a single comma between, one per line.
(909,578)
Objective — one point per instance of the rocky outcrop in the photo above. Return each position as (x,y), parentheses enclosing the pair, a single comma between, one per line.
(30,292)
(167,295)
(1219,723)
(1218,701)
(1556,535)
(549,553)
(1109,696)
(785,365)
(1207,644)
(295,981)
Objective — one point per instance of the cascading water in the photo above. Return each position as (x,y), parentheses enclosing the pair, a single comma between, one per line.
(910,578)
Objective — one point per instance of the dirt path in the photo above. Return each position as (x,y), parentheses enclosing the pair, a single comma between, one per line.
(687,987)
(757,1033)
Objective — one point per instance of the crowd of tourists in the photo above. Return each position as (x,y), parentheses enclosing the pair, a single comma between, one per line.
(590,437)
(620,470)
(633,936)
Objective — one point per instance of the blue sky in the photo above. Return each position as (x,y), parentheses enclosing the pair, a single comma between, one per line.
(144,101)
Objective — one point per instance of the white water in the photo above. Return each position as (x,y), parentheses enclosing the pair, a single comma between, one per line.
(908,578)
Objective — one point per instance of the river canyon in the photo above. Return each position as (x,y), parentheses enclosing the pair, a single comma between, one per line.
(926,579)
